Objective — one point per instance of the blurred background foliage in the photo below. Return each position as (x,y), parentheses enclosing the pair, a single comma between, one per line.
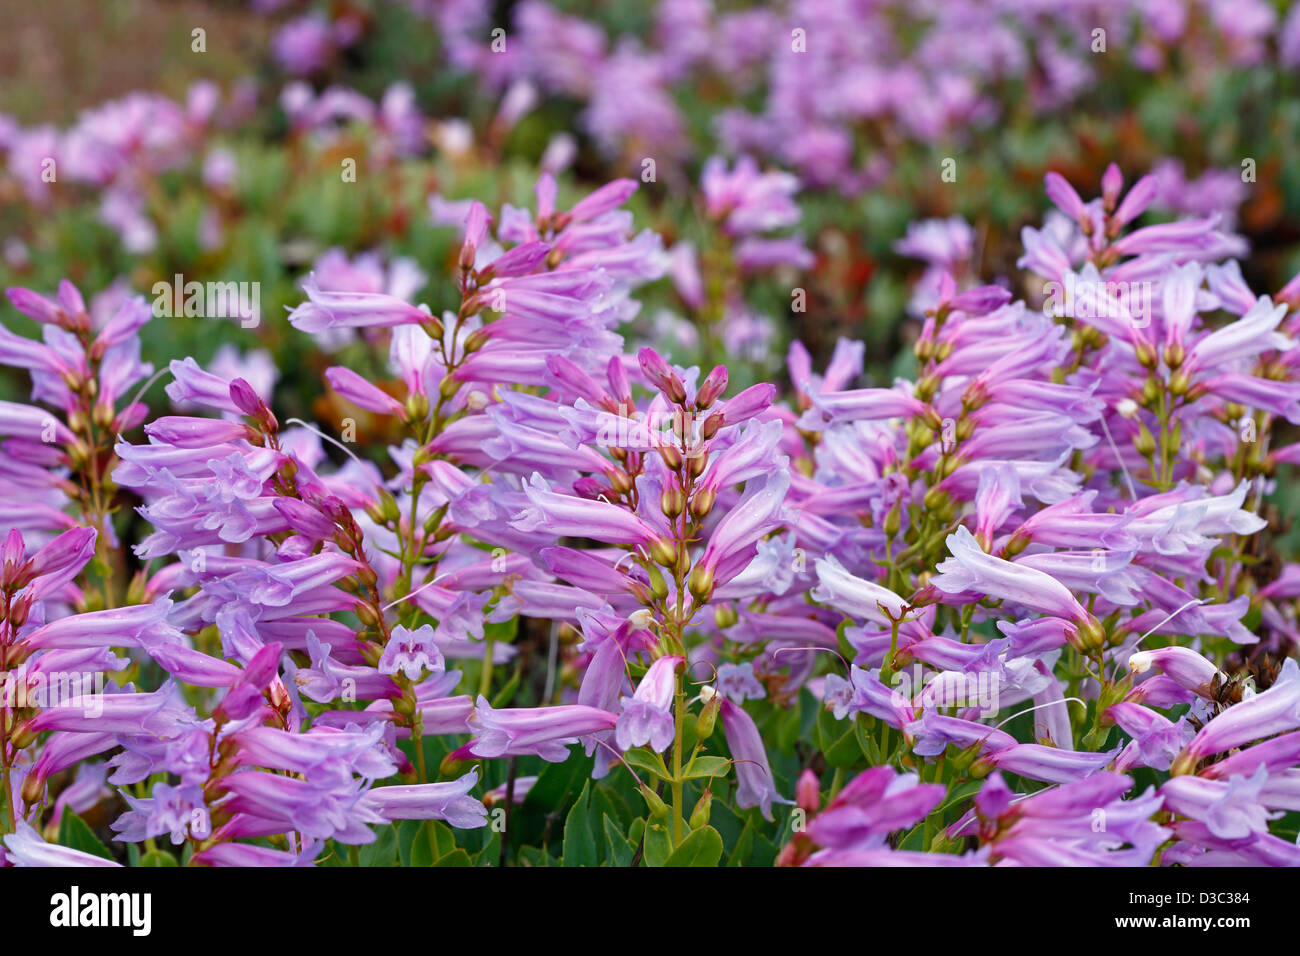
(288,204)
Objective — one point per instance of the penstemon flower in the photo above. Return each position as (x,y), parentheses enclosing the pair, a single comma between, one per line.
(946,621)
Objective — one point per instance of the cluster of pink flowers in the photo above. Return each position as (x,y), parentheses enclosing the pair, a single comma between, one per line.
(1040,562)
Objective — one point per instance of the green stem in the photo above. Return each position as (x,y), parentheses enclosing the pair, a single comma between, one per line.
(485,679)
(679,724)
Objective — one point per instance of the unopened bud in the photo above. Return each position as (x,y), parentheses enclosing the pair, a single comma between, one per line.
(725,616)
(672,502)
(452,766)
(702,503)
(1091,635)
(671,455)
(708,718)
(658,586)
(366,613)
(807,792)
(1145,442)
(700,815)
(658,809)
(701,583)
(433,328)
(714,384)
(663,551)
(417,407)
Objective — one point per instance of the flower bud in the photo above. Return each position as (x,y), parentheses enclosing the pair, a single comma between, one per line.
(366,613)
(934,498)
(1091,635)
(711,425)
(433,328)
(725,616)
(701,583)
(807,792)
(417,407)
(664,552)
(1145,443)
(33,789)
(658,586)
(671,455)
(702,503)
(658,809)
(711,389)
(453,766)
(620,481)
(700,815)
(894,519)
(708,718)
(672,502)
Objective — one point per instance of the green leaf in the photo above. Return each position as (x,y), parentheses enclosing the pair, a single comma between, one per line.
(74,833)
(702,848)
(870,747)
(507,693)
(579,847)
(706,767)
(838,740)
(607,803)
(744,846)
(383,852)
(424,851)
(647,760)
(444,837)
(620,850)
(407,833)
(457,857)
(658,844)
(158,858)
(490,854)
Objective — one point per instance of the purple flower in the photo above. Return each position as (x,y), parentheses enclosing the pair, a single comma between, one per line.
(647,716)
(755,786)
(449,801)
(411,652)
(972,570)
(545,732)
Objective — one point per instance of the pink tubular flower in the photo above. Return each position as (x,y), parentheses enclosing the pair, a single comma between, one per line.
(872,805)
(568,515)
(972,570)
(545,732)
(647,716)
(449,801)
(756,788)
(333,310)
(362,393)
(24,847)
(1275,711)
